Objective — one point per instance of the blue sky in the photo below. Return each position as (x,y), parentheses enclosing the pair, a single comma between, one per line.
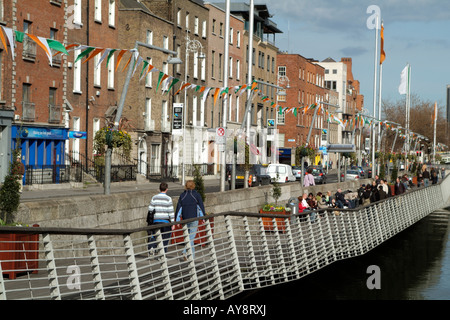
(416,32)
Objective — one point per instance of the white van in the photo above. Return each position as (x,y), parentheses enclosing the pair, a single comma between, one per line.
(284,172)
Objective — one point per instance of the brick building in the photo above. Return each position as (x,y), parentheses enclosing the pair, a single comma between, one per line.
(91,95)
(147,110)
(32,85)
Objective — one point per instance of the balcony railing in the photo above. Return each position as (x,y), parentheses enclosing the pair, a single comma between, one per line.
(28,111)
(54,114)
(29,49)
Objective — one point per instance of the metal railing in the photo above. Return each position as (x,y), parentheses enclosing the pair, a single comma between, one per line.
(232,252)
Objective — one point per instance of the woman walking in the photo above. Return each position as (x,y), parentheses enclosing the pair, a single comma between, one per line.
(190,205)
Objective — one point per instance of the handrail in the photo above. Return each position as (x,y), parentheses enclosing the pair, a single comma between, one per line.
(233,252)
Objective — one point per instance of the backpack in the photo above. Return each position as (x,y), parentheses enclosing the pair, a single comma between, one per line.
(150,216)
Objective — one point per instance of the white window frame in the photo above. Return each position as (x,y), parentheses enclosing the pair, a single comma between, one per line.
(77,73)
(166,42)
(77,8)
(148,113)
(230,68)
(196,25)
(149,76)
(203,69)
(98,11)
(238,69)
(97,71)
(179,17)
(149,37)
(238,39)
(112,13)
(95,126)
(195,65)
(111,73)
(204,29)
(194,110)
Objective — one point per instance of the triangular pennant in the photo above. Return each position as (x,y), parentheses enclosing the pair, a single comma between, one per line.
(83,54)
(160,79)
(57,46)
(19,36)
(182,87)
(175,81)
(10,36)
(103,57)
(2,37)
(42,42)
(119,57)
(216,95)
(143,69)
(205,94)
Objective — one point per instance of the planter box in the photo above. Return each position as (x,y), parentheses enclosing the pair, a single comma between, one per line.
(268,224)
(200,237)
(19,253)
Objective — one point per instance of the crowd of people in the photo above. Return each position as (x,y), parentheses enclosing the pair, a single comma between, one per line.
(378,190)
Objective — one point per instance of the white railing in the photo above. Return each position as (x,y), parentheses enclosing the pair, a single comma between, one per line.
(234,252)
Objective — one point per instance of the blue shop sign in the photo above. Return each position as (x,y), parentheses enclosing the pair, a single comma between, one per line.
(77,135)
(40,133)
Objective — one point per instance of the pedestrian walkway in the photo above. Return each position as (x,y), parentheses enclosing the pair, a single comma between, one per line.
(67,190)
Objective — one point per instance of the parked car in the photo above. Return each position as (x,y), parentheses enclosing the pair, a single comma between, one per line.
(319,175)
(283,171)
(257,176)
(351,175)
(297,172)
(360,170)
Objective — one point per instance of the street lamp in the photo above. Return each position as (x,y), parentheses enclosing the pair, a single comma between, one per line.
(134,55)
(192,45)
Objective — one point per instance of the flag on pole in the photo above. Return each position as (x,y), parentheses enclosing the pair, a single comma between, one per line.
(403,88)
(382,54)
(434,117)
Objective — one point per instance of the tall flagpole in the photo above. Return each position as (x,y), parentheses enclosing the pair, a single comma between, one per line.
(435,123)
(375,98)
(382,57)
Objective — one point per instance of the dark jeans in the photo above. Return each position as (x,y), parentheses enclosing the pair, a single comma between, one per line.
(165,233)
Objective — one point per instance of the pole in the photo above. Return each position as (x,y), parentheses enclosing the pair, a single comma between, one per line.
(435,123)
(379,107)
(107,182)
(375,98)
(225,101)
(186,66)
(247,117)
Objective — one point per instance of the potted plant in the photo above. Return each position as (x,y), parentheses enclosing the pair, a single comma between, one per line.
(18,251)
(271,208)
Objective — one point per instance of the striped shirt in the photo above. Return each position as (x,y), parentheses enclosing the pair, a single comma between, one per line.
(163,206)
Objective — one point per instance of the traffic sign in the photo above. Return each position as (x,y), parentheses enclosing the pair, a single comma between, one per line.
(220,135)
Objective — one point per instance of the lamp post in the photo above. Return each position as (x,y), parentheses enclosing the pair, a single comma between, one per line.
(192,45)
(134,55)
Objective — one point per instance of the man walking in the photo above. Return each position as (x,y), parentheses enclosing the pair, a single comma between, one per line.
(164,213)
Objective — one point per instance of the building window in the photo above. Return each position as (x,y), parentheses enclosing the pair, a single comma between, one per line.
(148,114)
(213,55)
(282,71)
(95,126)
(238,39)
(334,71)
(98,11)
(165,42)
(231,68)
(196,25)
(203,68)
(213,27)
(112,13)
(220,67)
(149,37)
(76,12)
(221,29)
(231,36)
(195,65)
(111,73)
(187,21)
(238,69)
(149,77)
(179,17)
(204,29)
(77,73)
(97,71)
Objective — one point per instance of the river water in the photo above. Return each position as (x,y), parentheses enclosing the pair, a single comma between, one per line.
(413,265)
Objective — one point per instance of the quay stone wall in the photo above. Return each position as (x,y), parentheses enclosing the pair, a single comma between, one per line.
(128,210)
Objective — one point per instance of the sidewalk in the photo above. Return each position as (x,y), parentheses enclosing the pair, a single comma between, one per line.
(52,191)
